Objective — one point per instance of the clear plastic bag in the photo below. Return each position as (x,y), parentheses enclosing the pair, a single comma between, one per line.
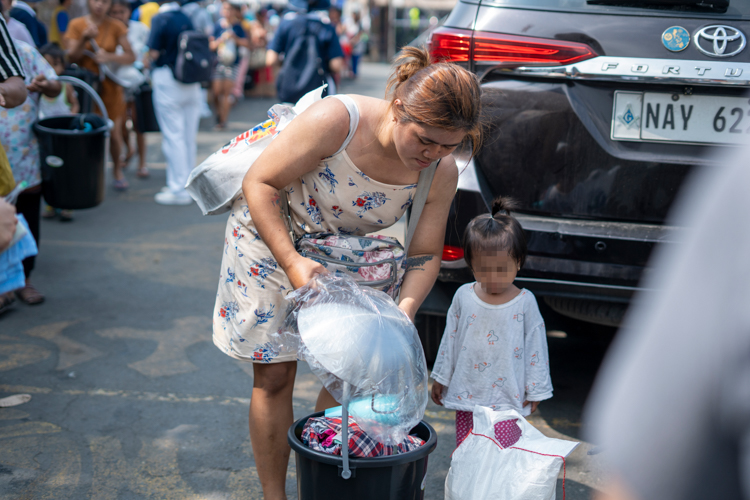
(216,183)
(364,350)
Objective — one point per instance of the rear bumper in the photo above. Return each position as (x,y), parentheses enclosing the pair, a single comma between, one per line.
(583,259)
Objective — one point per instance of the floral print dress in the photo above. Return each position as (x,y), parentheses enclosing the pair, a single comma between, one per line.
(16,134)
(336,197)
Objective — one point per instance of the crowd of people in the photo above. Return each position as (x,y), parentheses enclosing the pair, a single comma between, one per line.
(121,47)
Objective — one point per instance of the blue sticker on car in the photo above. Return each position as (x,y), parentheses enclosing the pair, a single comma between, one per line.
(675,38)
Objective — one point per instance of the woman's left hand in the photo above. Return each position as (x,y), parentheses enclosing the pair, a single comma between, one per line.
(38,84)
(102,56)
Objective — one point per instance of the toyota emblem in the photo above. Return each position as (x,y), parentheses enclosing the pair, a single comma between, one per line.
(719,40)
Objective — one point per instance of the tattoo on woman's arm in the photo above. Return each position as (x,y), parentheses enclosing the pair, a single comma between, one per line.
(276,200)
(417,263)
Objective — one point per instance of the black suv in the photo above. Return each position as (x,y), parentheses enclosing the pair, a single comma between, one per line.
(596,112)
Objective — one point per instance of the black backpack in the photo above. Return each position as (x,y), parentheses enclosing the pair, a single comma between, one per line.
(194,61)
(302,70)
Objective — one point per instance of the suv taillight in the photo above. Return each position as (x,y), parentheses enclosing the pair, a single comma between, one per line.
(451,253)
(450,44)
(457,45)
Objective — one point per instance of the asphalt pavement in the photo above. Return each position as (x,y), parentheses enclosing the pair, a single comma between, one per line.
(130,398)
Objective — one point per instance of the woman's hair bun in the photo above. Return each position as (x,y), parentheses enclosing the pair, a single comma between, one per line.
(503,204)
(408,63)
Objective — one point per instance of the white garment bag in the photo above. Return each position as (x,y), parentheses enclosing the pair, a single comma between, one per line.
(482,469)
(216,183)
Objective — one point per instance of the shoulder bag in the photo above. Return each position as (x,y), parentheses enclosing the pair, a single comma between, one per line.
(374,261)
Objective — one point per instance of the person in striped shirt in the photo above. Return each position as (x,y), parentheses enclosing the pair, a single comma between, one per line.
(12,87)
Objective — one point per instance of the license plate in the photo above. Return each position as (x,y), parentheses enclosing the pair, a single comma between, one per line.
(659,117)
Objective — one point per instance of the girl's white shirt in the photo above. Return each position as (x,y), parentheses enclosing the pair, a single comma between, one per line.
(493,355)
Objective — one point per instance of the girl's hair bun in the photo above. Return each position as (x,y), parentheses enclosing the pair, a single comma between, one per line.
(408,63)
(503,204)
(498,231)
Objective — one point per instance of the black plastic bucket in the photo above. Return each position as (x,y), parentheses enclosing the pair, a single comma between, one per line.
(72,159)
(397,477)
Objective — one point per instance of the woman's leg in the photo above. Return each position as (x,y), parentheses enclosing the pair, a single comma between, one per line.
(126,144)
(355,65)
(325,401)
(29,204)
(115,147)
(271,416)
(216,97)
(225,102)
(140,140)
(238,88)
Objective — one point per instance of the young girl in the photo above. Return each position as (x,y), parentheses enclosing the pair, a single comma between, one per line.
(494,349)
(66,103)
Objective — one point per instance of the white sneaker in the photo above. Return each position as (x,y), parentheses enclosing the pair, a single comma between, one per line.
(165,189)
(170,198)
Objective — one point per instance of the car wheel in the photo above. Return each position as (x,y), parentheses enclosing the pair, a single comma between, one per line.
(592,311)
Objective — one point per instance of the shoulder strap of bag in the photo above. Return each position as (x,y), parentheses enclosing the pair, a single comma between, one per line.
(420,198)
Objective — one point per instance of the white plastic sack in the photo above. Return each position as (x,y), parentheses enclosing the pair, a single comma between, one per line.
(216,183)
(357,335)
(482,469)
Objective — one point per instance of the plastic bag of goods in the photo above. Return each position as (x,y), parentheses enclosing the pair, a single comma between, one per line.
(216,183)
(482,468)
(357,335)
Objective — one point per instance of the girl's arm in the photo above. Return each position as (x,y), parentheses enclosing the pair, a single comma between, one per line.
(445,362)
(315,134)
(423,261)
(536,356)
(70,93)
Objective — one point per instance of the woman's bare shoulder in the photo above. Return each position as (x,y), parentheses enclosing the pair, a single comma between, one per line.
(369,106)
(447,169)
(320,129)
(330,114)
(76,24)
(446,178)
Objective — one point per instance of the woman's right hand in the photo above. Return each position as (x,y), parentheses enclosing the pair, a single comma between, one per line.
(90,31)
(302,270)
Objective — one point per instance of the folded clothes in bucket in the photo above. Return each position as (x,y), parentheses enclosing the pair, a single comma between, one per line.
(324,434)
